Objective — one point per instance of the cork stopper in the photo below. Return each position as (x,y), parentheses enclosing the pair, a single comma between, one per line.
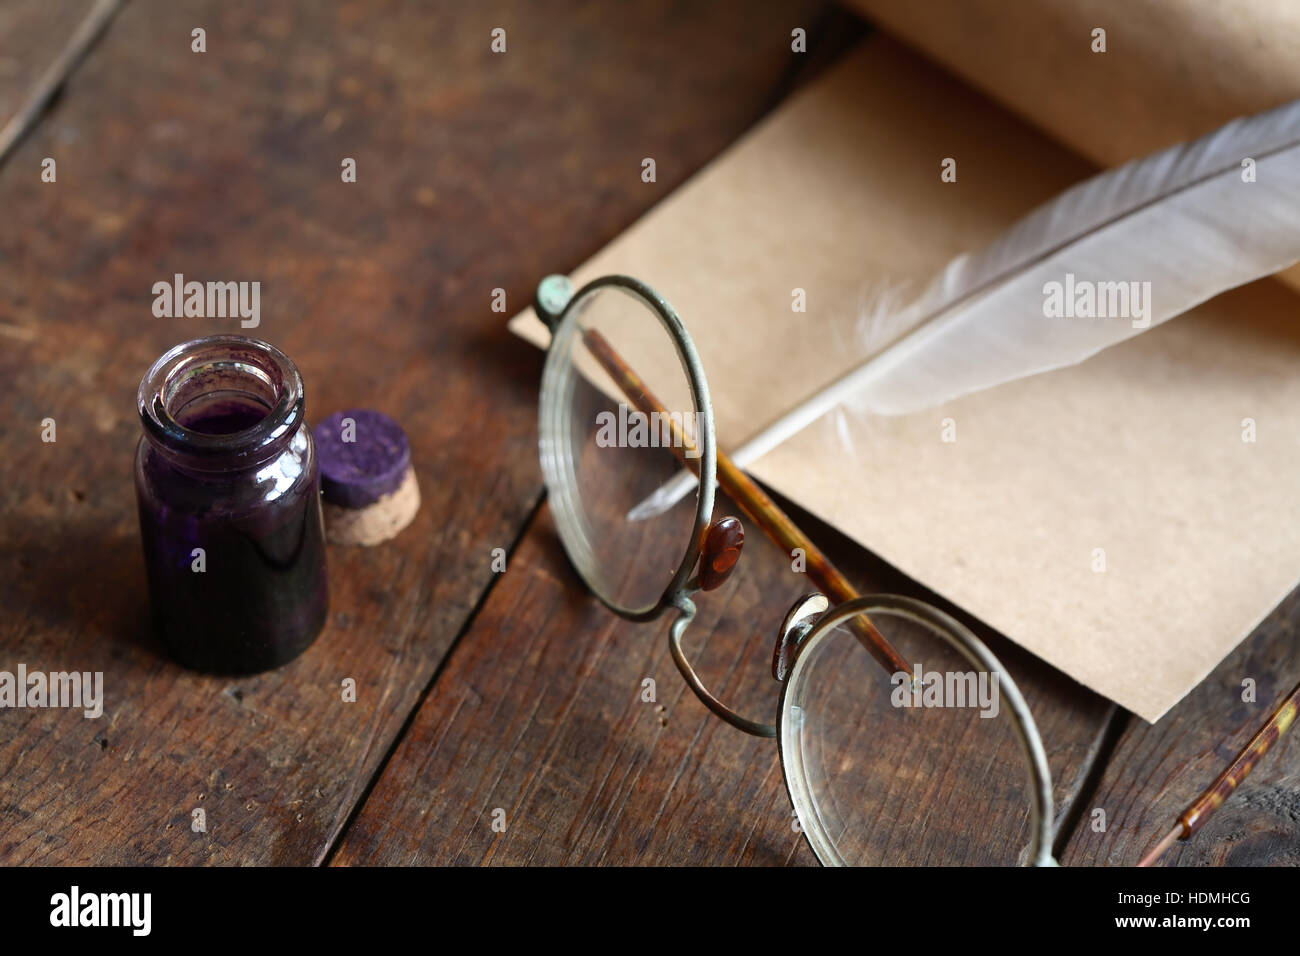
(368,485)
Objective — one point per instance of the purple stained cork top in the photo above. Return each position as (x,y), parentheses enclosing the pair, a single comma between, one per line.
(362,461)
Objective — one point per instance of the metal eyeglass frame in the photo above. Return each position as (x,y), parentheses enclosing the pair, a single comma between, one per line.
(811,619)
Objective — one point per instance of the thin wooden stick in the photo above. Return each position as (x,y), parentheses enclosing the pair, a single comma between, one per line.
(760,509)
(1168,840)
(56,74)
(1195,815)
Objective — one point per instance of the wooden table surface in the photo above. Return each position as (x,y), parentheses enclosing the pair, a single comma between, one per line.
(478,691)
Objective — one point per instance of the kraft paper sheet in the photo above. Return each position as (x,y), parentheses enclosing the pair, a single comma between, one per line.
(1137,452)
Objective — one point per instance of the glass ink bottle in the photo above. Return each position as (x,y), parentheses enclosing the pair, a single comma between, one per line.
(229,498)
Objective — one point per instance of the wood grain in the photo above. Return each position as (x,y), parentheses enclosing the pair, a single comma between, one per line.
(1158,769)
(32,33)
(539,714)
(476,171)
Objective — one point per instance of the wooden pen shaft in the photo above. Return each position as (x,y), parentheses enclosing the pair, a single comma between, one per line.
(755,503)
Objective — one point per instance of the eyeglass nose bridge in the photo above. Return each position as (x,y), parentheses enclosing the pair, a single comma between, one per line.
(752,727)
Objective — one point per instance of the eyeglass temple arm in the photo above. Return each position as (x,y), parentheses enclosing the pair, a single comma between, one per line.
(1195,815)
(756,504)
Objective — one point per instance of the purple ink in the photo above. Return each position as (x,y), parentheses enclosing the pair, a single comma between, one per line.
(227,465)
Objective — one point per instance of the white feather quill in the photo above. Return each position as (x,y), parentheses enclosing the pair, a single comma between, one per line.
(1192,221)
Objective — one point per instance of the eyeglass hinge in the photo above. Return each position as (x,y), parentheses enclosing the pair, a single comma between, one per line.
(552,298)
(799,620)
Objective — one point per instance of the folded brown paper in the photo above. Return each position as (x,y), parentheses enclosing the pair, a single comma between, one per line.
(1133,462)
(1172,70)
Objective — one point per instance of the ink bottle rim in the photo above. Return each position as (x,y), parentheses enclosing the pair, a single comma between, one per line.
(254,370)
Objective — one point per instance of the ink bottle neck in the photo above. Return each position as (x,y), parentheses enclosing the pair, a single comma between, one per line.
(221,404)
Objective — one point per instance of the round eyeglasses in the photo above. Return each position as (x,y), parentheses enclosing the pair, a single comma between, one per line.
(889,708)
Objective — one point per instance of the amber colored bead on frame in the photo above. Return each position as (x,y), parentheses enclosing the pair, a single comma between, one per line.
(721,550)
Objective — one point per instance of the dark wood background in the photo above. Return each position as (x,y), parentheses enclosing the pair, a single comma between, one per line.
(476,690)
